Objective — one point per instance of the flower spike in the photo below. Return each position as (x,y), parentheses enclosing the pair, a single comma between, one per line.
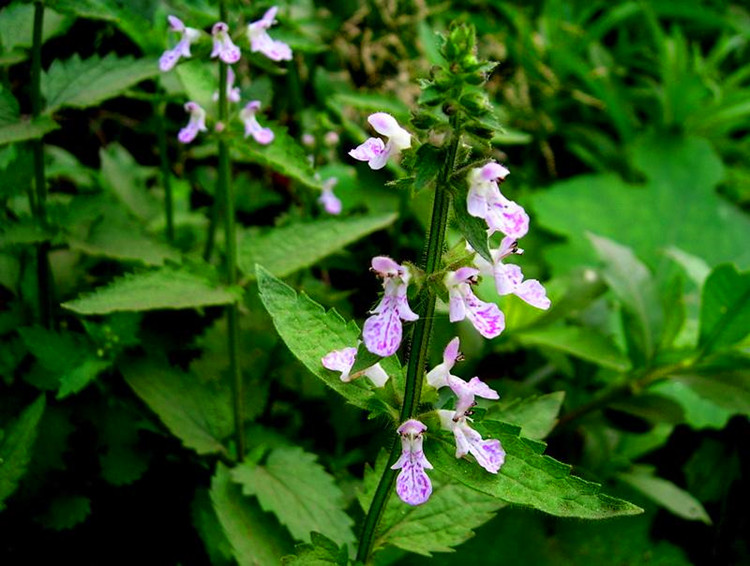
(197,123)
(189,35)
(487,318)
(413,486)
(488,453)
(373,150)
(343,361)
(261,42)
(224,48)
(262,135)
(486,201)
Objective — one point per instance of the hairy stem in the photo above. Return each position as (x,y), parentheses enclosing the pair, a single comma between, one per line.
(420,343)
(161,136)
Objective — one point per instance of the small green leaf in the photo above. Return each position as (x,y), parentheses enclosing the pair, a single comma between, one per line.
(528,477)
(322,552)
(82,83)
(298,490)
(65,512)
(472,228)
(725,308)
(166,288)
(197,413)
(290,248)
(536,415)
(80,376)
(16,447)
(429,161)
(255,536)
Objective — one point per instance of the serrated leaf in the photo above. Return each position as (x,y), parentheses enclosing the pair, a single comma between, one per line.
(166,288)
(725,308)
(536,415)
(699,413)
(284,155)
(528,477)
(290,248)
(16,171)
(207,524)
(75,379)
(321,552)
(428,162)
(199,81)
(472,228)
(65,512)
(16,447)
(121,174)
(197,413)
(310,332)
(579,341)
(81,83)
(298,490)
(254,538)
(26,129)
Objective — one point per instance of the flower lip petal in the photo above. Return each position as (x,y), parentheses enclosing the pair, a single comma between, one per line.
(385,266)
(412,426)
(493,171)
(176,23)
(451,353)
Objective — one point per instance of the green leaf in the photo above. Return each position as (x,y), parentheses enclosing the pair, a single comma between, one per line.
(284,155)
(310,333)
(290,248)
(16,447)
(633,285)
(166,288)
(256,538)
(121,174)
(730,390)
(17,27)
(120,460)
(81,83)
(26,129)
(199,81)
(298,490)
(323,551)
(528,477)
(207,524)
(694,267)
(665,493)
(75,379)
(198,413)
(65,512)
(536,415)
(16,171)
(579,341)
(472,228)
(429,161)
(725,308)
(699,413)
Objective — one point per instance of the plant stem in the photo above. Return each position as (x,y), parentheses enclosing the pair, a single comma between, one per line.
(166,179)
(39,200)
(420,343)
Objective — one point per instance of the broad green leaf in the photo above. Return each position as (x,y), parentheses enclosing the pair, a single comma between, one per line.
(725,308)
(536,415)
(121,174)
(699,413)
(310,333)
(199,81)
(321,552)
(75,379)
(65,512)
(298,490)
(81,83)
(528,477)
(207,524)
(579,341)
(197,413)
(429,161)
(472,228)
(17,26)
(255,536)
(25,129)
(730,390)
(16,446)
(166,288)
(287,249)
(284,155)
(665,493)
(633,285)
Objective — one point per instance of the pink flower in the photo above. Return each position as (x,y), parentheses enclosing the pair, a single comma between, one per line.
(487,318)
(260,41)
(438,376)
(189,35)
(486,201)
(373,150)
(343,360)
(331,203)
(382,331)
(197,123)
(413,486)
(233,92)
(262,135)
(223,48)
(488,453)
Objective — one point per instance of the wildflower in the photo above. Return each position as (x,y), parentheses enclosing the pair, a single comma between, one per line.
(374,151)
(343,361)
(261,41)
(331,138)
(382,331)
(487,318)
(412,486)
(252,127)
(224,49)
(486,201)
(233,92)
(488,453)
(189,35)
(331,203)
(197,123)
(438,376)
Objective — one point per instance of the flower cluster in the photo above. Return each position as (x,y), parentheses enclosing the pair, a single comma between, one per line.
(228,52)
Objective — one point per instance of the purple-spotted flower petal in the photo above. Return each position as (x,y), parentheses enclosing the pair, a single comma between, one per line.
(262,135)
(189,35)
(331,203)
(343,361)
(413,486)
(438,376)
(224,48)
(487,318)
(197,123)
(488,453)
(466,391)
(382,331)
(373,150)
(233,92)
(261,42)
(486,201)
